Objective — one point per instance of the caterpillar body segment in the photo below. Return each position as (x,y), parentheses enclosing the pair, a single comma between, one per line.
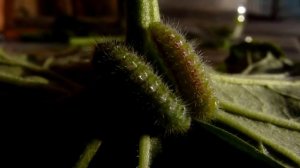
(187,70)
(168,112)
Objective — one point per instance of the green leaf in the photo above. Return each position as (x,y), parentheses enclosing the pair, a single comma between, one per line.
(265,109)
(240,144)
(283,144)
(11,69)
(15,75)
(20,70)
(18,60)
(250,57)
(269,64)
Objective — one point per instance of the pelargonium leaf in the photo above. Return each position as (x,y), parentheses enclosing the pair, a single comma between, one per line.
(266,109)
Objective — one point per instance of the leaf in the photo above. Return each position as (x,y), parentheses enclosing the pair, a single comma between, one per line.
(265,109)
(240,144)
(11,69)
(20,70)
(18,60)
(15,75)
(280,141)
(269,64)
(249,57)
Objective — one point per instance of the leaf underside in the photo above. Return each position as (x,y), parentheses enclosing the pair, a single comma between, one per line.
(264,109)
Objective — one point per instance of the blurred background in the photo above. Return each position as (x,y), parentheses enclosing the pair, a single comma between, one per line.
(45,66)
(274,21)
(213,25)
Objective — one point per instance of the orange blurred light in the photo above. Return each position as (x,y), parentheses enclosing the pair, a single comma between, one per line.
(1,15)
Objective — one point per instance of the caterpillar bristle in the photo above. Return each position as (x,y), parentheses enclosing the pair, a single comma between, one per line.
(168,112)
(187,69)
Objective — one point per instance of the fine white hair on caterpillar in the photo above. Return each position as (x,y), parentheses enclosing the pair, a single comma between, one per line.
(170,112)
(187,70)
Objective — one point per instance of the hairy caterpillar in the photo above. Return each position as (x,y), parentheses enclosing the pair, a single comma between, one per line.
(138,79)
(186,68)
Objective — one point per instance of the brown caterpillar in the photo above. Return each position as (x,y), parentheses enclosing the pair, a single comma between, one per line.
(168,111)
(186,68)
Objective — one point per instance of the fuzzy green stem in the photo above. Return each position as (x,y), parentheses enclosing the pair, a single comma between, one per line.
(144,151)
(140,13)
(227,120)
(154,11)
(88,154)
(235,109)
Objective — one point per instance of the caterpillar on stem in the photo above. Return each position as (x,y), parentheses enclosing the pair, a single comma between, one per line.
(169,113)
(187,70)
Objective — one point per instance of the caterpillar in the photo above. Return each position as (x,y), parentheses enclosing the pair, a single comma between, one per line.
(168,112)
(187,70)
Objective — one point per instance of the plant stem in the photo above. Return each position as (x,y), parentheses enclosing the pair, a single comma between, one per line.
(84,41)
(235,109)
(247,80)
(88,154)
(154,11)
(144,151)
(140,14)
